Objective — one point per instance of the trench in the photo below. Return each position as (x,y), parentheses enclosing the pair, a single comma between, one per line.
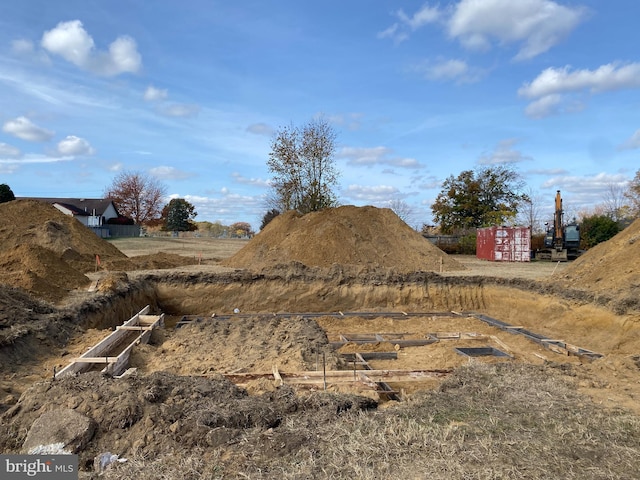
(561,314)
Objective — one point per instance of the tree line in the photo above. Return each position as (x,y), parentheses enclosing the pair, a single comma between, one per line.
(301,161)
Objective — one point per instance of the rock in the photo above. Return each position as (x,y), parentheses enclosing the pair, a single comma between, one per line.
(65,426)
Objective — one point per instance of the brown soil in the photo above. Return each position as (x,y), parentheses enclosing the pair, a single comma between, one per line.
(611,268)
(362,237)
(345,259)
(49,254)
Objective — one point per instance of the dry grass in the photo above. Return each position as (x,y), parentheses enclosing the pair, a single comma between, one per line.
(499,421)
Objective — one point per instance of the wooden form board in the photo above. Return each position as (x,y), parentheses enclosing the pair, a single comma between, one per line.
(340,376)
(103,351)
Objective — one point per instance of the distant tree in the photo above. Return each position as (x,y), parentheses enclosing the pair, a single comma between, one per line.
(614,202)
(529,212)
(302,163)
(137,196)
(213,229)
(270,215)
(178,216)
(402,209)
(473,199)
(6,194)
(241,229)
(633,196)
(597,229)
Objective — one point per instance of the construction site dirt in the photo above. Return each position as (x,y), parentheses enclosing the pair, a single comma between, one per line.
(326,367)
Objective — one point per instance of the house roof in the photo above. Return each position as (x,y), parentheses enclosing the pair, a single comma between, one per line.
(80,206)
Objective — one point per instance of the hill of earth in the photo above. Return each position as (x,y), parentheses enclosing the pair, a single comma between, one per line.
(48,253)
(363,237)
(611,267)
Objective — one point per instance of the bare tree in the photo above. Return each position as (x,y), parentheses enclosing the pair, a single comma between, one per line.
(402,209)
(137,196)
(633,196)
(529,211)
(301,161)
(614,201)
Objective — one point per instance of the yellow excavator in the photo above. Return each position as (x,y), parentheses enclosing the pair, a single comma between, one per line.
(561,242)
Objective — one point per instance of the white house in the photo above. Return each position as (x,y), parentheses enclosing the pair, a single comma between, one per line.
(92,212)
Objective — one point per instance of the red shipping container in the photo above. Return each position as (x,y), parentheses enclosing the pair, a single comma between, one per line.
(504,244)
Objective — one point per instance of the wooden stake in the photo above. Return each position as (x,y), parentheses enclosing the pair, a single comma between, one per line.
(324,371)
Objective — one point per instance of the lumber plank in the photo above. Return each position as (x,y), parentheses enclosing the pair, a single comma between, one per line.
(95,360)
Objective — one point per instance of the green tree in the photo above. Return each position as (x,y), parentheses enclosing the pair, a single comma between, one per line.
(6,194)
(270,215)
(473,199)
(303,167)
(137,196)
(597,229)
(178,216)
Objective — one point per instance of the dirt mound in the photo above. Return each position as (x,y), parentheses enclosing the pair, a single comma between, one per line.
(611,268)
(367,237)
(160,260)
(30,222)
(47,253)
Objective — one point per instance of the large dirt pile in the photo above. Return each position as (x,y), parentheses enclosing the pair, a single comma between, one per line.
(611,268)
(366,237)
(48,253)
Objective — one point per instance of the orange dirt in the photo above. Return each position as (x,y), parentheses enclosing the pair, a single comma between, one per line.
(48,253)
(363,237)
(611,267)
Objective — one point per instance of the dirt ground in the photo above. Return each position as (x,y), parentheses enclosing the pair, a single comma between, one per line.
(207,278)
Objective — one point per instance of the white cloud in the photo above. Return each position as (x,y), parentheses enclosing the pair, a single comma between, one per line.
(72,42)
(536,25)
(48,89)
(585,191)
(376,156)
(352,121)
(424,16)
(394,32)
(549,89)
(169,173)
(503,153)
(24,129)
(399,31)
(547,171)
(8,169)
(7,150)
(152,94)
(257,182)
(370,194)
(74,146)
(562,80)
(181,110)
(34,159)
(22,47)
(631,144)
(451,69)
(261,129)
(543,107)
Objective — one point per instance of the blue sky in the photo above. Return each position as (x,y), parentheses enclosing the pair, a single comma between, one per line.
(191,93)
